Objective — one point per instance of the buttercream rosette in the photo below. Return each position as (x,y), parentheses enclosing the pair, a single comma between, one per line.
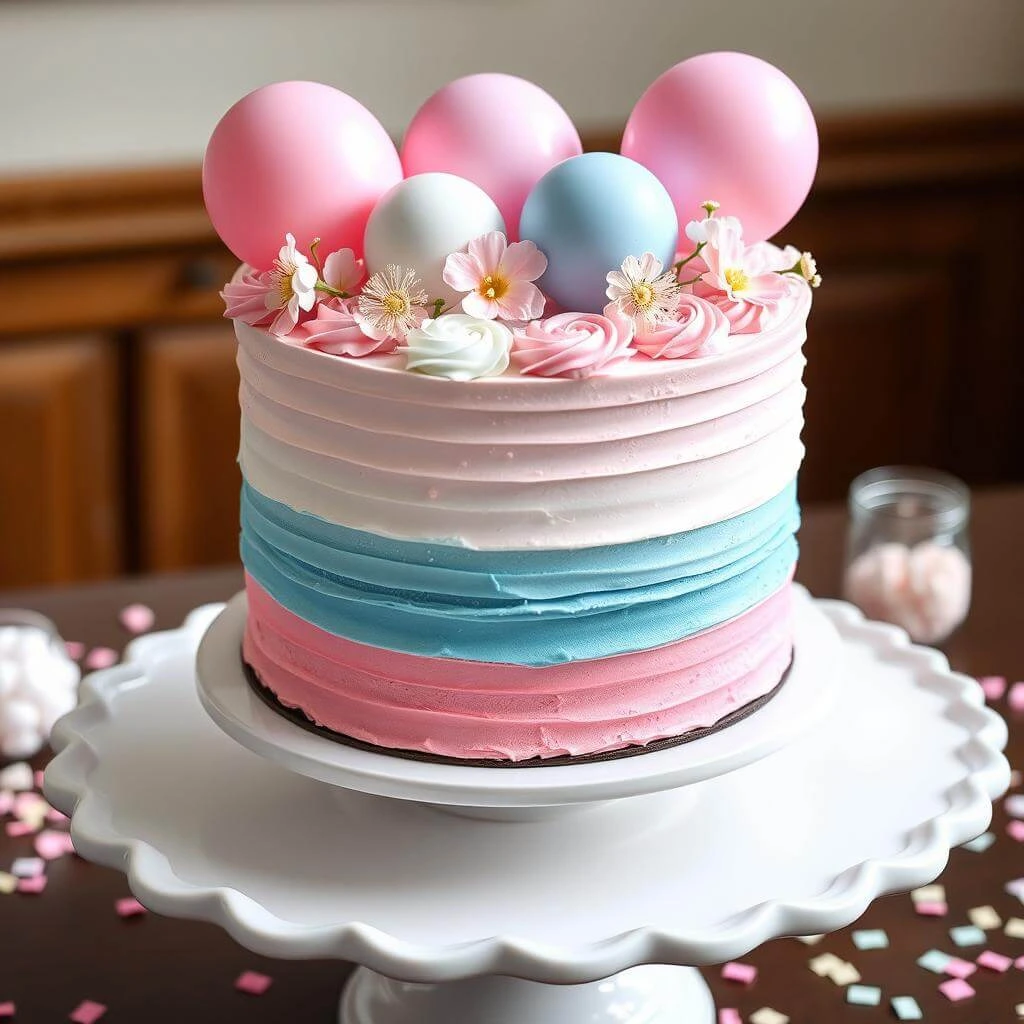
(574,345)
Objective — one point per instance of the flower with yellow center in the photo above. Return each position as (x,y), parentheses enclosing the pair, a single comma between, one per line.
(391,304)
(640,291)
(496,278)
(291,287)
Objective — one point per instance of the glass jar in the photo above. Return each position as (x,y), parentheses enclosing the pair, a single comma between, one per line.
(908,553)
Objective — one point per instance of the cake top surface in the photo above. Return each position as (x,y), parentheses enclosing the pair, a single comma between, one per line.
(491,246)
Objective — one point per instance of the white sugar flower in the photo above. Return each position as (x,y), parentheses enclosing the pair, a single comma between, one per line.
(642,292)
(391,304)
(292,287)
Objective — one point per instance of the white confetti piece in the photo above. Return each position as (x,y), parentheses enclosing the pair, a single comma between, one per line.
(845,974)
(929,894)
(824,964)
(1014,928)
(767,1015)
(981,843)
(984,918)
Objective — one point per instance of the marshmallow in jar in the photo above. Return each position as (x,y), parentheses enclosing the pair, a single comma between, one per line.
(908,559)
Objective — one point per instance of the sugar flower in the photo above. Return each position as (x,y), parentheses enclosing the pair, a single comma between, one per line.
(700,329)
(292,281)
(642,292)
(459,347)
(735,270)
(498,278)
(576,345)
(245,299)
(335,329)
(342,271)
(391,304)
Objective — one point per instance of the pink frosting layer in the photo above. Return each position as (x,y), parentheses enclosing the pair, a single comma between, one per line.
(476,709)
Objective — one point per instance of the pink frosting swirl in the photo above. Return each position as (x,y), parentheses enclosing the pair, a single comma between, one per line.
(334,330)
(700,329)
(575,345)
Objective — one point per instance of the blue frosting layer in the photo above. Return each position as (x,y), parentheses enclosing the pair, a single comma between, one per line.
(523,607)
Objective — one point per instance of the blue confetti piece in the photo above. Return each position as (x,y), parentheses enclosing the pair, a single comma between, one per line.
(968,935)
(906,1008)
(981,843)
(864,995)
(871,938)
(934,960)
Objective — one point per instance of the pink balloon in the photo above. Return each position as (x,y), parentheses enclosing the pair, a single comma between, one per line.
(498,131)
(728,127)
(299,157)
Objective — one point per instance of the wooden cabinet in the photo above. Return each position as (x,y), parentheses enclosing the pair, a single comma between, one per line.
(187,395)
(61,515)
(118,388)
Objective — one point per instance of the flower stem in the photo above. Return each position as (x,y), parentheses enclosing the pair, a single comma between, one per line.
(677,266)
(323,286)
(316,256)
(692,280)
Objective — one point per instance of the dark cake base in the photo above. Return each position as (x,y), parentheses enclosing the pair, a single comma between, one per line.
(300,719)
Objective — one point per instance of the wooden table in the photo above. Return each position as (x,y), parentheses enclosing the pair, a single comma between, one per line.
(67,944)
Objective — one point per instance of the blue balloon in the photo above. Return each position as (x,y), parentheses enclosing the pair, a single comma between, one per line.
(587,214)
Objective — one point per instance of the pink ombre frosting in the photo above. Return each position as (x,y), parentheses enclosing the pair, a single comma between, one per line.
(468,709)
(701,330)
(574,345)
(334,330)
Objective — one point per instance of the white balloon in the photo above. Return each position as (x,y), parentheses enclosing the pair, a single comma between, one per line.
(424,218)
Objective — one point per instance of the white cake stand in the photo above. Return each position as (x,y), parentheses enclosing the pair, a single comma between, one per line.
(301,847)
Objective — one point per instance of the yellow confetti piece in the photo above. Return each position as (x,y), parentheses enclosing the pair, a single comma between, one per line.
(8,883)
(824,965)
(1014,928)
(984,918)
(767,1015)
(929,894)
(845,974)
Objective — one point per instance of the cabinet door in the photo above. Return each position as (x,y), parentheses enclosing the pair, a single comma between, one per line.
(187,397)
(60,494)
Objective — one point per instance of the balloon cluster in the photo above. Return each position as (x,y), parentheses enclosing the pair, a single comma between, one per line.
(492,152)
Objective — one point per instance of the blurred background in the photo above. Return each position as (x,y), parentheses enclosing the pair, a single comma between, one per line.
(118,405)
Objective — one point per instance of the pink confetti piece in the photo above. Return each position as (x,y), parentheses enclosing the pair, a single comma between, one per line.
(959,968)
(32,886)
(1019,963)
(17,829)
(50,844)
(931,908)
(56,817)
(7,1010)
(6,802)
(253,983)
(994,961)
(1016,697)
(129,906)
(745,974)
(100,657)
(994,686)
(87,1012)
(74,649)
(956,990)
(729,1015)
(1015,830)
(137,618)
(37,778)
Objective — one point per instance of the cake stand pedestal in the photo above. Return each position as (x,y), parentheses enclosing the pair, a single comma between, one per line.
(301,847)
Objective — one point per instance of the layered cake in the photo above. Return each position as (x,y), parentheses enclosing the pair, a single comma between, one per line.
(519,466)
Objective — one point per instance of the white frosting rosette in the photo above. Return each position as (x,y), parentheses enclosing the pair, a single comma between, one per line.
(459,347)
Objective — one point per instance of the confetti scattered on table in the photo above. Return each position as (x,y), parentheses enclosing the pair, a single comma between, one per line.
(871,938)
(729,1015)
(129,906)
(993,686)
(1019,963)
(6,802)
(1019,1010)
(1014,928)
(845,974)
(51,844)
(957,968)
(929,894)
(993,961)
(934,960)
(100,657)
(745,974)
(139,618)
(767,1015)
(824,964)
(1014,805)
(17,777)
(1015,830)
(906,1008)
(956,989)
(87,1012)
(8,883)
(1015,887)
(864,995)
(28,867)
(74,649)
(253,983)
(984,918)
(1015,698)
(17,829)
(7,1010)
(967,935)
(32,886)
(1016,777)
(981,843)
(931,908)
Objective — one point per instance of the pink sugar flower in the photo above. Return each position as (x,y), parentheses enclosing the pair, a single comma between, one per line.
(246,298)
(738,271)
(335,329)
(575,345)
(498,278)
(343,272)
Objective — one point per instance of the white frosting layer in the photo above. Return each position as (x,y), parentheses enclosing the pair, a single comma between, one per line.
(513,462)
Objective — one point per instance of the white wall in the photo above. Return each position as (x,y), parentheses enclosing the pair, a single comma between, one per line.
(105,83)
